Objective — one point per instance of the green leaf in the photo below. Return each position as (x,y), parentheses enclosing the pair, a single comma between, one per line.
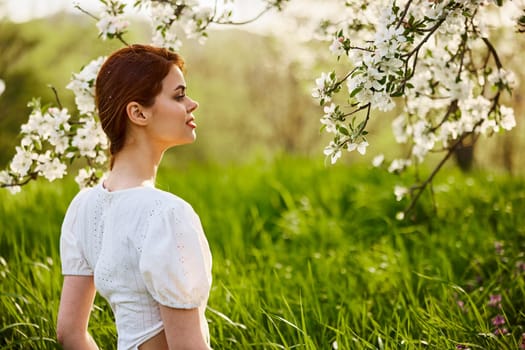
(343,130)
(397,93)
(356,91)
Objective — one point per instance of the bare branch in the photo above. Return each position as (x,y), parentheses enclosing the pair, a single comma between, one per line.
(259,15)
(56,96)
(403,15)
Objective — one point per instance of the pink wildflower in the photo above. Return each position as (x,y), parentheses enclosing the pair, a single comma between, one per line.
(495,300)
(501,331)
(498,320)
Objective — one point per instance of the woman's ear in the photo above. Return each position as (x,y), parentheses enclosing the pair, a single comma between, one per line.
(136,114)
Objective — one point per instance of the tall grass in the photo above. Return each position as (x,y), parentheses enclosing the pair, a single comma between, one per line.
(307,257)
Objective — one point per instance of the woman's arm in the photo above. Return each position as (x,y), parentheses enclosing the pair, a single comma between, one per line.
(182,328)
(78,293)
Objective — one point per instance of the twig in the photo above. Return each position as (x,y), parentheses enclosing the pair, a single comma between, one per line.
(259,15)
(421,187)
(86,12)
(367,118)
(452,108)
(56,96)
(493,52)
(405,11)
(425,39)
(29,177)
(356,110)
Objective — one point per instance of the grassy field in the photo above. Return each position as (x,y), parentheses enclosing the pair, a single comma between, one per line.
(307,257)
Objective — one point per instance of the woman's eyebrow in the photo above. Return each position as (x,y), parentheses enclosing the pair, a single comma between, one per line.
(180,87)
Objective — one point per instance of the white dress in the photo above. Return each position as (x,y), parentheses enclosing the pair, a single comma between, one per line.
(144,247)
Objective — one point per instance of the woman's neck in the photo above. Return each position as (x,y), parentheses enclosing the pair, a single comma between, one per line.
(133,167)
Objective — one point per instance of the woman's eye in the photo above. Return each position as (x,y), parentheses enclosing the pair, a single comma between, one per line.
(180,97)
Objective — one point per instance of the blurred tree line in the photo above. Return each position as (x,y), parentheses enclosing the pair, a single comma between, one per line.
(253,90)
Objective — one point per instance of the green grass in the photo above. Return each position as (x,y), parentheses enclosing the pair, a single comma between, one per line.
(305,256)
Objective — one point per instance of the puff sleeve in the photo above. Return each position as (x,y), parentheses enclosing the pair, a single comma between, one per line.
(71,253)
(175,261)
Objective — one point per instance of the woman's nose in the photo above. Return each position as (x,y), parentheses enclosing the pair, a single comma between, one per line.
(193,105)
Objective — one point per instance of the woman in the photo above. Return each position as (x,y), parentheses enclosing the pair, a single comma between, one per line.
(143,249)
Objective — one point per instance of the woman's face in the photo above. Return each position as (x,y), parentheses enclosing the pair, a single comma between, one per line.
(172,122)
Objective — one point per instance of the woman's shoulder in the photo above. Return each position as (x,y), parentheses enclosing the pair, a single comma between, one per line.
(81,196)
(170,200)
(166,199)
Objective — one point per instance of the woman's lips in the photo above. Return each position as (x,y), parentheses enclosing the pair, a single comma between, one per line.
(191,123)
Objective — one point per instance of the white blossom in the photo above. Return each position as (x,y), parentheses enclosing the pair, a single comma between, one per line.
(336,47)
(327,120)
(400,129)
(50,126)
(168,39)
(5,178)
(382,101)
(361,147)
(423,139)
(88,137)
(508,122)
(328,110)
(83,86)
(334,151)
(330,125)
(21,162)
(322,83)
(388,36)
(189,16)
(83,176)
(448,131)
(460,90)
(110,25)
(34,123)
(163,22)
(60,143)
(161,13)
(400,192)
(50,168)
(503,77)
(198,21)
(473,110)
(378,160)
(487,126)
(398,165)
